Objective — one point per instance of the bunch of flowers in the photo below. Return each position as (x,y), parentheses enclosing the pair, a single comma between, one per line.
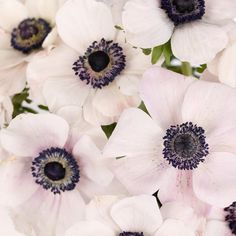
(117,118)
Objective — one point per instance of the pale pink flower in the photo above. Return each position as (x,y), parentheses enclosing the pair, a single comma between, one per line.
(186,146)
(95,69)
(52,172)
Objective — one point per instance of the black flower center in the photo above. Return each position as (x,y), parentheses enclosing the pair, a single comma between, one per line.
(101,64)
(98,60)
(30,34)
(55,171)
(183,11)
(131,234)
(231,217)
(185,146)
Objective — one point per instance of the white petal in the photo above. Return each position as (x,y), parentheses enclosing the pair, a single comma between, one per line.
(214,181)
(29,134)
(204,104)
(219,11)
(67,217)
(81,22)
(51,38)
(13,80)
(129,214)
(9,57)
(43,9)
(79,127)
(16,181)
(89,228)
(163,92)
(6,224)
(111,102)
(152,29)
(64,91)
(180,188)
(198,42)
(91,164)
(99,209)
(174,228)
(227,66)
(12,12)
(56,63)
(135,134)
(216,228)
(92,115)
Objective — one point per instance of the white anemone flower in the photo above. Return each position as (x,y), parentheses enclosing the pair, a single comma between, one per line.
(132,216)
(51,174)
(186,146)
(223,67)
(95,69)
(192,26)
(25,29)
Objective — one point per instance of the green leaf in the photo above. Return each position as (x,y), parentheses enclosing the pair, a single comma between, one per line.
(186,69)
(108,129)
(167,53)
(117,158)
(147,51)
(118,27)
(156,54)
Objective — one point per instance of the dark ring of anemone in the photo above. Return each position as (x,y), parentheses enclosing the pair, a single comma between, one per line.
(30,34)
(230,217)
(56,169)
(185,146)
(101,64)
(183,11)
(131,234)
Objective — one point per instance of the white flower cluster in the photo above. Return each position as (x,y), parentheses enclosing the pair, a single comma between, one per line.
(118,147)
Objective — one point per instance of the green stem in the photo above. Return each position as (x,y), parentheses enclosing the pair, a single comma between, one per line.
(186,68)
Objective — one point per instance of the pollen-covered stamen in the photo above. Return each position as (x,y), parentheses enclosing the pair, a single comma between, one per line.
(185,146)
(55,169)
(230,217)
(101,64)
(30,34)
(131,234)
(183,11)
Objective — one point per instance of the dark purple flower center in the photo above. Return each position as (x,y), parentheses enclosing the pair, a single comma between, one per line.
(30,34)
(131,234)
(183,11)
(185,146)
(101,64)
(56,169)
(231,217)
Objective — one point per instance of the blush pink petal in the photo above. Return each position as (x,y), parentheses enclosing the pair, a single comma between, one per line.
(163,92)
(209,107)
(90,161)
(29,134)
(214,181)
(16,182)
(172,227)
